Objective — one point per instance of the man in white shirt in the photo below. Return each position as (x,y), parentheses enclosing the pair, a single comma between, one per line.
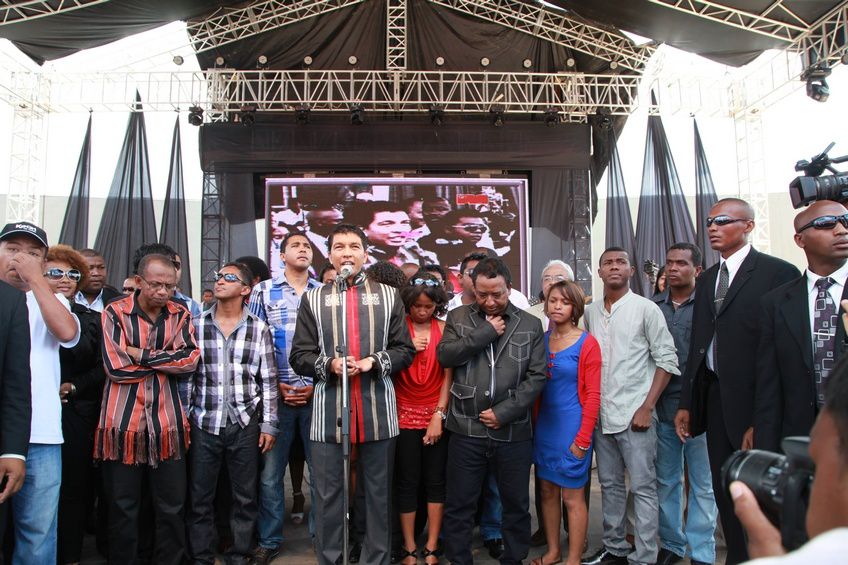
(639,358)
(96,293)
(23,247)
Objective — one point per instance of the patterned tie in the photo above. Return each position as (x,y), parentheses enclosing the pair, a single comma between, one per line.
(825,319)
(723,283)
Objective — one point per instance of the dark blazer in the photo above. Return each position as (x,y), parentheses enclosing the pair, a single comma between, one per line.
(737,330)
(15,391)
(785,403)
(82,365)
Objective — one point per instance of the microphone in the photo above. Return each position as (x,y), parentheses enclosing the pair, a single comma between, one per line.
(344,273)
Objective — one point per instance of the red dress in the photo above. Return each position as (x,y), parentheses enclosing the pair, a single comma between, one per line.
(417,387)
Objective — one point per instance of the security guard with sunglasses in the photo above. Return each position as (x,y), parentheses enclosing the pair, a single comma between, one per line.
(802,336)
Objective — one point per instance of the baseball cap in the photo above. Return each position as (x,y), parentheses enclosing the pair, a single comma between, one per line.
(25,228)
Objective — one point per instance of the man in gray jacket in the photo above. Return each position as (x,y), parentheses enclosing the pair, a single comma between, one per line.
(498,356)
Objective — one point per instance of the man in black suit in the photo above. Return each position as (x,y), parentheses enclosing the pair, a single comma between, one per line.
(717,393)
(793,367)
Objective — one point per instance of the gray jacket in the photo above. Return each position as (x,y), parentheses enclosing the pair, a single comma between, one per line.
(510,388)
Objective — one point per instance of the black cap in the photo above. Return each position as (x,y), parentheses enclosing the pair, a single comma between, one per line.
(25,228)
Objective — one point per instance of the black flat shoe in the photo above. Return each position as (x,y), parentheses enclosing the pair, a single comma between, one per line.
(668,557)
(496,547)
(604,557)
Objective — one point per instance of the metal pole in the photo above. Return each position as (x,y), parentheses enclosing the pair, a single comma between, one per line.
(344,422)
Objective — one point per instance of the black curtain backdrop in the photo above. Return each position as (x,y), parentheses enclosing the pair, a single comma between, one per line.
(174,231)
(705,198)
(619,227)
(128,219)
(663,213)
(75,225)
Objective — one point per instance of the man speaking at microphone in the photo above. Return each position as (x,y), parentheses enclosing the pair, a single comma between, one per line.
(378,346)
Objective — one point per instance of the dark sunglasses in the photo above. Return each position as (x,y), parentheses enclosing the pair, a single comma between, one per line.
(128,289)
(424,282)
(724,220)
(473,228)
(229,277)
(56,274)
(826,223)
(176,264)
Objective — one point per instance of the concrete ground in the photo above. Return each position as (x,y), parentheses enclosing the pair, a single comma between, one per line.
(297,549)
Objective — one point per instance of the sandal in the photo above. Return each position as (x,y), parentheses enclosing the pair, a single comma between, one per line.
(425,553)
(404,554)
(541,561)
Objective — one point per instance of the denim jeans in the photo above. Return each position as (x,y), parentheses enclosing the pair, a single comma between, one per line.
(272,501)
(36,506)
(698,533)
(492,512)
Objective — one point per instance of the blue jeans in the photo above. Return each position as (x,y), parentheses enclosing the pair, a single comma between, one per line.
(492,513)
(698,533)
(36,506)
(272,500)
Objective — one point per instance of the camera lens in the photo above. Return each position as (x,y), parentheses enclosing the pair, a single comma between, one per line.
(763,472)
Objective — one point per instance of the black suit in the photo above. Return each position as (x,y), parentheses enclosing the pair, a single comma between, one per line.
(786,388)
(15,391)
(724,406)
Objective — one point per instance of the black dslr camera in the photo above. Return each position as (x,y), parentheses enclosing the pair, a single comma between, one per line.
(811,187)
(781,484)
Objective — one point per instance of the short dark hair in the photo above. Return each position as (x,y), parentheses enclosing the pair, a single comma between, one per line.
(290,235)
(697,256)
(573,294)
(363,213)
(149,258)
(205,290)
(491,268)
(347,228)
(324,268)
(614,249)
(258,267)
(410,292)
(245,274)
(474,256)
(89,252)
(453,216)
(386,273)
(152,249)
(434,268)
(836,403)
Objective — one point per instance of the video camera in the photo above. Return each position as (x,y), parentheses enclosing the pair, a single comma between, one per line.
(781,484)
(811,187)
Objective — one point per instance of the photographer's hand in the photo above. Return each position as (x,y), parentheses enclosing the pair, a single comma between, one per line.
(763,537)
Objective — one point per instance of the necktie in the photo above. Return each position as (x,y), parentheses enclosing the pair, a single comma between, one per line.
(825,319)
(723,283)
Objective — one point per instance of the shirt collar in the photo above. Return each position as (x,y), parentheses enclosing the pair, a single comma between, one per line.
(618,302)
(839,275)
(81,296)
(735,260)
(281,280)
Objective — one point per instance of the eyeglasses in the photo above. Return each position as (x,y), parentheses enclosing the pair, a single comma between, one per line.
(128,290)
(155,285)
(229,277)
(724,220)
(424,282)
(826,223)
(56,274)
(554,278)
(473,228)
(176,264)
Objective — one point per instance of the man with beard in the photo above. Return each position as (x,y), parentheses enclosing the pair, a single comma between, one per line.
(96,293)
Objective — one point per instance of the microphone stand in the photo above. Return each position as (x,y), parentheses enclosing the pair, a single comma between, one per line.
(344,422)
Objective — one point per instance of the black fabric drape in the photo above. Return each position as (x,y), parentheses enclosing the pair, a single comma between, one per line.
(128,219)
(174,231)
(75,225)
(705,198)
(664,216)
(619,227)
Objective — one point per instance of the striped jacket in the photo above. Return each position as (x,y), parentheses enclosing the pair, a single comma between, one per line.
(142,420)
(376,327)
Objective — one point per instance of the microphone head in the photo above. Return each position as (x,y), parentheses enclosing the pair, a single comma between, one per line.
(346,271)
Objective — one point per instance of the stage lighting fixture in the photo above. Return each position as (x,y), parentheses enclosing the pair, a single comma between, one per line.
(262,62)
(527,63)
(551,117)
(178,60)
(497,116)
(219,61)
(357,115)
(484,62)
(437,115)
(613,65)
(247,114)
(352,59)
(817,87)
(440,61)
(570,62)
(301,114)
(195,115)
(307,60)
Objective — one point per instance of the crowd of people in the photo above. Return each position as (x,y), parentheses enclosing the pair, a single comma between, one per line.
(171,423)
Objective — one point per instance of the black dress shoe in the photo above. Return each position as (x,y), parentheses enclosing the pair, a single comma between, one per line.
(354,553)
(668,557)
(604,557)
(496,547)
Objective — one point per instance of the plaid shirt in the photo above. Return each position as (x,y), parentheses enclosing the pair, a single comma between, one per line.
(276,302)
(235,374)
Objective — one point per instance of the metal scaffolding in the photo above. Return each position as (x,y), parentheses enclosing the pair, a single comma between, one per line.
(215,230)
(395,35)
(34,9)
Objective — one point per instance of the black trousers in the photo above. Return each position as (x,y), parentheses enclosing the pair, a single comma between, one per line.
(417,463)
(719,449)
(122,485)
(236,449)
(469,461)
(77,483)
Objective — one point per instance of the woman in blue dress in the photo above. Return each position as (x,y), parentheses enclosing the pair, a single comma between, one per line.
(568,410)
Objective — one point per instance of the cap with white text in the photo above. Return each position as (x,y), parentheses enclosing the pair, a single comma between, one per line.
(24,228)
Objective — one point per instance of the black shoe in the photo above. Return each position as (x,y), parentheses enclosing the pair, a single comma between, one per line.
(264,555)
(668,557)
(496,547)
(354,553)
(604,557)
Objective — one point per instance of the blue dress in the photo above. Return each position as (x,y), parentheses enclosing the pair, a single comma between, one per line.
(559,419)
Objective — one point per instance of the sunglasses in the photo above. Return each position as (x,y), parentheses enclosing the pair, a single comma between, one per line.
(724,220)
(229,277)
(473,228)
(56,274)
(826,223)
(424,282)
(176,264)
(128,290)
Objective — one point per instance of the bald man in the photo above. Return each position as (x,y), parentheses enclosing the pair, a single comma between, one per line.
(801,337)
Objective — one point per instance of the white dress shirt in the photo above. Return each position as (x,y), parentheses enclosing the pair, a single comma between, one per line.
(96,304)
(840,275)
(733,264)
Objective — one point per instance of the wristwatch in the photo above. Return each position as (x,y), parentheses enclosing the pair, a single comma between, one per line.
(441,412)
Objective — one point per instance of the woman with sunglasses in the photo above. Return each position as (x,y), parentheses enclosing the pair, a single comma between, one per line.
(82,382)
(422,396)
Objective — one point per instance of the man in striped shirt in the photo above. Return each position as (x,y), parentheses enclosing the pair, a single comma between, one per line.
(233,409)
(148,347)
(378,346)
